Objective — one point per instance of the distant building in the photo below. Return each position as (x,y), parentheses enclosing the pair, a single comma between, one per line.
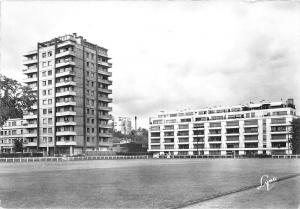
(122,124)
(12,130)
(260,128)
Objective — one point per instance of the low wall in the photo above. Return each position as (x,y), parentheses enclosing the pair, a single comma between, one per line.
(285,156)
(60,159)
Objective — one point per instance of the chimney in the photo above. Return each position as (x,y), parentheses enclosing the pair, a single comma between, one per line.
(135,122)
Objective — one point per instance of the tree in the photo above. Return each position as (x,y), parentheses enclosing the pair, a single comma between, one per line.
(295,136)
(15,99)
(18,145)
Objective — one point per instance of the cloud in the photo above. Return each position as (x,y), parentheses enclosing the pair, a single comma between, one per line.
(172,55)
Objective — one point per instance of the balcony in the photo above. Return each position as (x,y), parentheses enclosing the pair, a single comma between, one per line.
(104,126)
(105,108)
(30,144)
(32,125)
(30,116)
(280,124)
(63,64)
(65,43)
(68,72)
(108,82)
(106,64)
(30,80)
(68,83)
(66,93)
(66,143)
(105,135)
(108,91)
(30,61)
(106,117)
(65,133)
(66,123)
(105,99)
(103,72)
(59,104)
(251,125)
(27,135)
(29,70)
(251,133)
(65,113)
(30,53)
(65,53)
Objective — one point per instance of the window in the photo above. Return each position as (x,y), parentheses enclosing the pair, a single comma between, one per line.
(49,101)
(44,92)
(44,55)
(50,111)
(87,64)
(49,63)
(88,130)
(87,73)
(50,92)
(49,54)
(44,111)
(44,139)
(49,139)
(50,130)
(44,120)
(44,73)
(49,82)
(44,130)
(44,64)
(44,83)
(44,102)
(50,72)
(49,120)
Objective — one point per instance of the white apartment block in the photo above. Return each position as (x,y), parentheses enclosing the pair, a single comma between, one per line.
(260,128)
(122,124)
(70,77)
(12,130)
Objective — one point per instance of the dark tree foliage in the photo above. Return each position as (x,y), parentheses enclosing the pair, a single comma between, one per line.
(138,136)
(295,136)
(18,145)
(14,99)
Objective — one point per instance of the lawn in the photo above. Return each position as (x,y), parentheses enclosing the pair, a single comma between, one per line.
(146,183)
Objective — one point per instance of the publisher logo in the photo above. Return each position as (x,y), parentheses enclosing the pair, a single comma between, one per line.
(267,182)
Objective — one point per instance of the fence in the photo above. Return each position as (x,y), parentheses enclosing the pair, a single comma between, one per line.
(61,159)
(202,156)
(285,156)
(100,153)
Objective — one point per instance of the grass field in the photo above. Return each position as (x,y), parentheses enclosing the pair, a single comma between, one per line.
(152,183)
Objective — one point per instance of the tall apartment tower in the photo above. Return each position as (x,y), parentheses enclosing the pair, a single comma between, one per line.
(70,77)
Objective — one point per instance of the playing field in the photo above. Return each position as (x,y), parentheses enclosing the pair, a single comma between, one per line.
(149,183)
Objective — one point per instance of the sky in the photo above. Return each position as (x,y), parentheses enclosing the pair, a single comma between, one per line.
(170,55)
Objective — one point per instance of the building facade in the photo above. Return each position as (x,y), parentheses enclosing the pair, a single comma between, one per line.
(261,128)
(70,77)
(12,130)
(122,125)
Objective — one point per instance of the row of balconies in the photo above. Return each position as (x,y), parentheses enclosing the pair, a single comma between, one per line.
(219,127)
(194,148)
